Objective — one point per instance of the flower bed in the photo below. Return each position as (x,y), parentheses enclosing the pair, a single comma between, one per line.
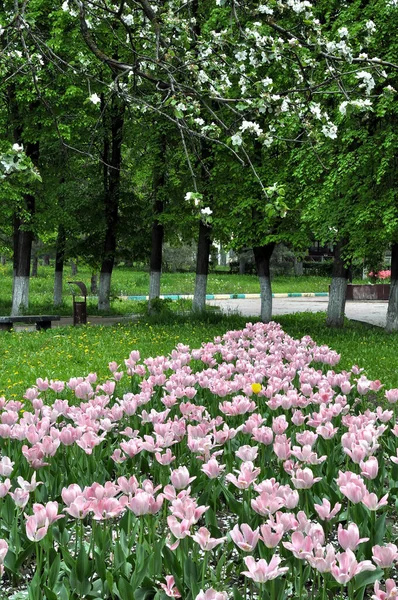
(247,468)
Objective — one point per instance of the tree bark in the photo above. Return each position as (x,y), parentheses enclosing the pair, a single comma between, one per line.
(338,289)
(262,257)
(392,312)
(155,268)
(35,263)
(111,195)
(3,260)
(202,267)
(73,268)
(155,264)
(23,240)
(59,266)
(94,284)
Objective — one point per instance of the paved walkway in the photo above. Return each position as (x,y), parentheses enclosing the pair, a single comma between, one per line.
(369,312)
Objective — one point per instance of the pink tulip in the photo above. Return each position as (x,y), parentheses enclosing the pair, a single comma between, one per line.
(324,510)
(323,558)
(370,468)
(169,587)
(372,503)
(246,475)
(212,469)
(205,541)
(245,538)
(301,546)
(247,453)
(5,488)
(261,571)
(392,395)
(6,466)
(271,534)
(349,538)
(304,479)
(180,478)
(391,591)
(384,556)
(211,594)
(36,528)
(346,567)
(3,553)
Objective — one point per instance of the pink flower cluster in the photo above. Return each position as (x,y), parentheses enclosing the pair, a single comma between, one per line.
(205,432)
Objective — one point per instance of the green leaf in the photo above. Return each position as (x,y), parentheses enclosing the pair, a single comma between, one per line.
(367,578)
(54,572)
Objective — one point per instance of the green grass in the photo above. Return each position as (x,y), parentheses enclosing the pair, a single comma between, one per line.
(61,353)
(128,282)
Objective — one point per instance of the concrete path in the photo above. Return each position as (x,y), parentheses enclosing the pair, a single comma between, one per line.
(369,312)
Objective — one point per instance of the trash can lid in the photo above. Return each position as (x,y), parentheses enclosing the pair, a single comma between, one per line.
(81,286)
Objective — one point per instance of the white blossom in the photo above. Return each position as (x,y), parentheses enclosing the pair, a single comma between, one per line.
(265,10)
(251,126)
(367,81)
(343,32)
(236,140)
(128,20)
(17,147)
(206,211)
(95,99)
(330,130)
(241,55)
(370,26)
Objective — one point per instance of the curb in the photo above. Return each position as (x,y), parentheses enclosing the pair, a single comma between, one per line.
(228,296)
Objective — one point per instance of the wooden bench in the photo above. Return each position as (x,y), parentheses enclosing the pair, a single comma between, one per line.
(41,321)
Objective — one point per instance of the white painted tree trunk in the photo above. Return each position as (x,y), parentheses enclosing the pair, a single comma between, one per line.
(58,275)
(104,291)
(20,295)
(336,304)
(266,298)
(392,312)
(154,284)
(199,297)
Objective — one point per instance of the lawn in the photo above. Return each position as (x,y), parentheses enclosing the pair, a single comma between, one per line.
(128,282)
(61,353)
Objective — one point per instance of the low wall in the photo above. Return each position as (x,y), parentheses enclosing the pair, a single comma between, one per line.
(368,291)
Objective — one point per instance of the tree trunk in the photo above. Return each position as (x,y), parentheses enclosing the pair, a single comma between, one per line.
(94,284)
(59,266)
(155,264)
(338,289)
(156,254)
(35,264)
(242,264)
(23,240)
(73,268)
(298,267)
(46,260)
(111,194)
(202,267)
(262,257)
(3,260)
(392,312)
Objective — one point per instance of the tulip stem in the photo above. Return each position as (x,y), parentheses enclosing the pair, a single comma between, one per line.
(204,567)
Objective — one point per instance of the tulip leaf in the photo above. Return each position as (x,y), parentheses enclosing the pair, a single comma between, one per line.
(54,572)
(367,578)
(49,594)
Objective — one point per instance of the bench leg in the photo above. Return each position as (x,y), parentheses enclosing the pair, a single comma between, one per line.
(5,326)
(40,326)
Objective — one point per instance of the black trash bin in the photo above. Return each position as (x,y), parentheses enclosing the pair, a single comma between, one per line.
(79,306)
